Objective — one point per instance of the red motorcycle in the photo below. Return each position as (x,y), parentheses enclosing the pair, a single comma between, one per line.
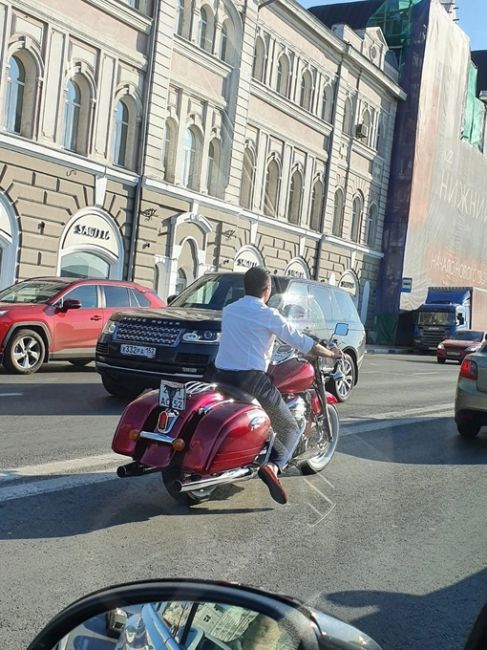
(201,435)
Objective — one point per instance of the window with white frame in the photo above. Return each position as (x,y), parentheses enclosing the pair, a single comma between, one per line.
(282,79)
(122,117)
(169,150)
(372,225)
(295,198)
(180,17)
(14,97)
(316,206)
(258,70)
(357,207)
(338,213)
(271,191)
(348,118)
(248,177)
(327,103)
(76,115)
(306,97)
(367,127)
(226,42)
(214,180)
(190,159)
(206,29)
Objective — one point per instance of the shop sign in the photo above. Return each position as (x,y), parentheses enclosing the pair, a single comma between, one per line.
(246,259)
(92,230)
(298,268)
(349,283)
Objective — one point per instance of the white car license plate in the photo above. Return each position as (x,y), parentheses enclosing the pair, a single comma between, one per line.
(138,351)
(172,395)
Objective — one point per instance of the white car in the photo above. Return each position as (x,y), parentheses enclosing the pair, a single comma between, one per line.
(471,396)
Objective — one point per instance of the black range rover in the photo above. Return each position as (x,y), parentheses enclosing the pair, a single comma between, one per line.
(136,350)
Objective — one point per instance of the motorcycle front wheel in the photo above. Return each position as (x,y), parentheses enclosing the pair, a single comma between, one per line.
(321,460)
(169,478)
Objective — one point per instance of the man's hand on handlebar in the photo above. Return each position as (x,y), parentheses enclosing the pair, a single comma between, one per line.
(329,353)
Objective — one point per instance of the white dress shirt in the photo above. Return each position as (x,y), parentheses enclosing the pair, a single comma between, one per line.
(249,329)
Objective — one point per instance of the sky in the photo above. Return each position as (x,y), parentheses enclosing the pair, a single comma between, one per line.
(472,14)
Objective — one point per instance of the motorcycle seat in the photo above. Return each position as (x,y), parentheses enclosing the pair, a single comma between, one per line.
(237,394)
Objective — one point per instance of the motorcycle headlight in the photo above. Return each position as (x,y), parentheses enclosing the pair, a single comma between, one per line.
(110,327)
(201,336)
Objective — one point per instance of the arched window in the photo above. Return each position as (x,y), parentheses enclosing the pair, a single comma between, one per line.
(206,29)
(258,70)
(71,115)
(168,150)
(77,114)
(367,123)
(180,17)
(337,228)
(14,99)
(226,42)
(372,225)
(271,189)
(316,206)
(327,103)
(214,181)
(306,97)
(295,198)
(121,133)
(282,81)
(190,159)
(348,117)
(247,186)
(356,219)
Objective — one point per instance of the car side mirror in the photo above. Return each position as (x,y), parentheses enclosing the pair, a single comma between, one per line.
(192,613)
(171,298)
(68,304)
(341,329)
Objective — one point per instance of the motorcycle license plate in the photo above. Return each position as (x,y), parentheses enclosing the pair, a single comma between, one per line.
(138,351)
(172,395)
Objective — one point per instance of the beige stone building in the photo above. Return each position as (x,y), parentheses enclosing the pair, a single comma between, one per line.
(162,140)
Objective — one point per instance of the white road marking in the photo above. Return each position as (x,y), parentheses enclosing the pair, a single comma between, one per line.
(11,394)
(68,474)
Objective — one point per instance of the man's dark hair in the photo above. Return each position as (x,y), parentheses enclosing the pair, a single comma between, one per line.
(256,281)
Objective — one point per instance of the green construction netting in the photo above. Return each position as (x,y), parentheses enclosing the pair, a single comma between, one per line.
(394,17)
(473,127)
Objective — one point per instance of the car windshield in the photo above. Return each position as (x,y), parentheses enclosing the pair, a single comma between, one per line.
(471,335)
(436,318)
(32,291)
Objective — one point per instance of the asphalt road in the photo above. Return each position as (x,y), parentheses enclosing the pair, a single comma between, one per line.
(391,537)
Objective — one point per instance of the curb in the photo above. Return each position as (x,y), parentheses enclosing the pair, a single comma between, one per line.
(385,350)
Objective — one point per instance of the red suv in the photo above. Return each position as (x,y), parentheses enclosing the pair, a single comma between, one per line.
(47,319)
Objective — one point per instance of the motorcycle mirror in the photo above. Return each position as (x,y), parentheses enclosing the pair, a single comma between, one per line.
(171,298)
(341,329)
(191,615)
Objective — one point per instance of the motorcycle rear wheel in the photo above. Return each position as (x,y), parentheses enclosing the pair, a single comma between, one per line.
(320,461)
(194,498)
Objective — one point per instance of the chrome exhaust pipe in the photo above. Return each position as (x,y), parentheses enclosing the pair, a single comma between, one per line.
(135,469)
(232,476)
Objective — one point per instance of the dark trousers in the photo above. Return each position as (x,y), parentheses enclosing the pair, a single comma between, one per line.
(259,385)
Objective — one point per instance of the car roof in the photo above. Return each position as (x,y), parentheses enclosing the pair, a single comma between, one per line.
(68,281)
(280,276)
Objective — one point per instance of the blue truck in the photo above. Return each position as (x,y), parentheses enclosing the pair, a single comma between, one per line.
(449,310)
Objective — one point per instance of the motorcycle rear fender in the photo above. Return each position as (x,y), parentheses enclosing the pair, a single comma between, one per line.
(330,398)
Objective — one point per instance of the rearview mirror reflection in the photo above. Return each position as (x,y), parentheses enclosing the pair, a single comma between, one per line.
(180,625)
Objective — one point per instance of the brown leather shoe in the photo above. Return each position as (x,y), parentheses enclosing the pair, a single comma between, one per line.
(273,483)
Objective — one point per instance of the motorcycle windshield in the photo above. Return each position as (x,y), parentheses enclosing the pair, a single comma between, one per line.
(302,311)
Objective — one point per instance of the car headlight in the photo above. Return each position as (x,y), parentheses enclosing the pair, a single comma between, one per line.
(3,312)
(471,348)
(441,346)
(201,336)
(110,327)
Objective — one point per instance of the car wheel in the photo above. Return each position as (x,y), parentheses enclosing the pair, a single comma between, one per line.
(25,353)
(169,478)
(342,389)
(79,363)
(468,430)
(117,389)
(440,360)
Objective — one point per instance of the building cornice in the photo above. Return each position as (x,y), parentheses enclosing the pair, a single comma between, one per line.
(200,56)
(123,12)
(359,248)
(73,161)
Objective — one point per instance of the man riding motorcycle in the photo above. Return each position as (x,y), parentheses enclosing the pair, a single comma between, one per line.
(249,329)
